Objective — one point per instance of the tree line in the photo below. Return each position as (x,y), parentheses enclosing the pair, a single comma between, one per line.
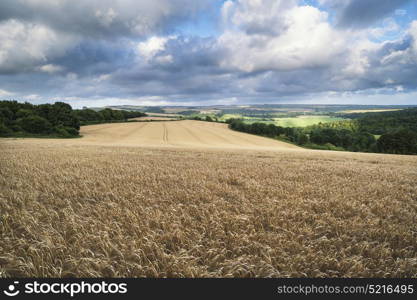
(107,115)
(383,122)
(58,119)
(352,135)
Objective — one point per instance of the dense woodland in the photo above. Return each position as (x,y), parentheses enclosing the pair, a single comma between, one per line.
(384,122)
(397,131)
(89,116)
(53,120)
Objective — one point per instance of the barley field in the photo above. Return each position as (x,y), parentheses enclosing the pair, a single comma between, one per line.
(182,134)
(193,199)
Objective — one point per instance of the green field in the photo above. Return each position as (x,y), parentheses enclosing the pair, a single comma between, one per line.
(230,116)
(359,111)
(303,121)
(300,121)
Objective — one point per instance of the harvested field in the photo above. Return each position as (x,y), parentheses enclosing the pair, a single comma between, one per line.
(188,134)
(104,206)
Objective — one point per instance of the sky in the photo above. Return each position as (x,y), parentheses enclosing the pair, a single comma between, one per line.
(208,52)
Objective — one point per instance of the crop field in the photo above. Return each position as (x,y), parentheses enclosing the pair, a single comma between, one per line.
(299,121)
(194,134)
(358,111)
(304,121)
(232,116)
(194,199)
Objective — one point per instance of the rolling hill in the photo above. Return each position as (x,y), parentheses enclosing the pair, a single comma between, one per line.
(188,134)
(195,199)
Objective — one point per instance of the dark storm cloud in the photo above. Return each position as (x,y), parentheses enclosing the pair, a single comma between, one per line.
(361,13)
(96,57)
(38,35)
(103,18)
(162,81)
(192,53)
(193,68)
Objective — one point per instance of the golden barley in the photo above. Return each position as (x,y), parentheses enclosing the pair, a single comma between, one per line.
(86,208)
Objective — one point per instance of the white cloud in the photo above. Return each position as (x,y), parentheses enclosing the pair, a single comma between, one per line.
(278,35)
(103,77)
(149,48)
(32,97)
(407,56)
(164,59)
(303,40)
(50,68)
(256,16)
(4,93)
(102,18)
(389,26)
(357,60)
(24,46)
(106,17)
(413,33)
(34,32)
(224,101)
(380,97)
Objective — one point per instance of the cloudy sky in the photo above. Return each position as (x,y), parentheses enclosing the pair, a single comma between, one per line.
(208,52)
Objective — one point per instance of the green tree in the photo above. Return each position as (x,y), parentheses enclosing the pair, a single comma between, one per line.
(117,115)
(302,139)
(362,141)
(398,142)
(35,124)
(6,115)
(107,114)
(23,113)
(4,130)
